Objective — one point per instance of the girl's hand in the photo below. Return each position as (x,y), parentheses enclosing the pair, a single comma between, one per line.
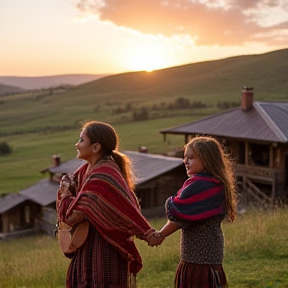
(155,238)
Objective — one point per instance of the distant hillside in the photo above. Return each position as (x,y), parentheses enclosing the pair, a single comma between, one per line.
(31,83)
(267,73)
(123,97)
(7,89)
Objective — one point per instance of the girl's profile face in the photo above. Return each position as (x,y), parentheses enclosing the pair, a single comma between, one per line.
(193,162)
(84,147)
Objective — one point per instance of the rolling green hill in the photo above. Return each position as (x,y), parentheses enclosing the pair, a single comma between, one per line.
(208,82)
(41,123)
(9,89)
(46,82)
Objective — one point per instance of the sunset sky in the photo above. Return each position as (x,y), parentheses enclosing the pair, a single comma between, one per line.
(53,37)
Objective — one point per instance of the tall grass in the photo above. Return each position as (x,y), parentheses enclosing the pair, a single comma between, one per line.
(256,254)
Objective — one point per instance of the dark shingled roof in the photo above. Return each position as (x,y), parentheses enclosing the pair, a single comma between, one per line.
(146,167)
(149,166)
(266,121)
(11,200)
(67,167)
(43,193)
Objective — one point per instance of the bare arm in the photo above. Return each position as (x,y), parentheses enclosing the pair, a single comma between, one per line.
(157,237)
(169,228)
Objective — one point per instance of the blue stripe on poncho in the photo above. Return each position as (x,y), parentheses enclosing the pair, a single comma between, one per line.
(200,197)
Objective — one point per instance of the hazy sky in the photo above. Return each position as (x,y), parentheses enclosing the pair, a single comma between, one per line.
(51,37)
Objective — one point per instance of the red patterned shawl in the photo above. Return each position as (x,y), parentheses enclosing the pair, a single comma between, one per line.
(111,207)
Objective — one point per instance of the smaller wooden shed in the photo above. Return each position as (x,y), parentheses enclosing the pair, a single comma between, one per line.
(17,215)
(157,178)
(43,194)
(34,208)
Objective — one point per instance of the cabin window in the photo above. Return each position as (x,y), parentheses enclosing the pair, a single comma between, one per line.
(241,153)
(27,214)
(259,154)
(11,227)
(144,195)
(226,146)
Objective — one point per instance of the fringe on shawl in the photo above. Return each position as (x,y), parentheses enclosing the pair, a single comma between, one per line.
(131,279)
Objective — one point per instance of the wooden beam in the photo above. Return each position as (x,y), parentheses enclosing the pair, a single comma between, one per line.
(246,153)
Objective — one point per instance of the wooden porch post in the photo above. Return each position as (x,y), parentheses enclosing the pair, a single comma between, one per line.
(246,153)
(246,163)
(271,166)
(152,198)
(186,138)
(271,157)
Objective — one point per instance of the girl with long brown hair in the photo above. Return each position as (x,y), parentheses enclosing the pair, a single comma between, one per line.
(198,209)
(105,198)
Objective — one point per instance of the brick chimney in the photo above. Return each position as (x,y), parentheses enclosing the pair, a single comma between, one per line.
(143,149)
(247,98)
(56,160)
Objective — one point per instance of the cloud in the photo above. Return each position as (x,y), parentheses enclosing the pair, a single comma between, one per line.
(209,22)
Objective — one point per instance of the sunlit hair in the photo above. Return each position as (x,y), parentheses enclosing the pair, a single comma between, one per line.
(105,134)
(219,164)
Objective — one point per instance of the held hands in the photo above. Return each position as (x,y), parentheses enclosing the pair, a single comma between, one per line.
(154,238)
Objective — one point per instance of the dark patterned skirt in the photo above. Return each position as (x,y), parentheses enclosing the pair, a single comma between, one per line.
(97,264)
(189,275)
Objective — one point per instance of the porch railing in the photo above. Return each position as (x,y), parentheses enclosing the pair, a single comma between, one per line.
(251,193)
(256,172)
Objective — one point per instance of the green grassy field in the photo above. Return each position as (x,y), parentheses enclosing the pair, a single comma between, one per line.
(208,82)
(256,253)
(39,124)
(32,152)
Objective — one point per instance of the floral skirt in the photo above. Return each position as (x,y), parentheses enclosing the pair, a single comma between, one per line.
(189,275)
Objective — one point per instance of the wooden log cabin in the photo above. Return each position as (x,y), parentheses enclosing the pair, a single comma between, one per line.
(157,178)
(256,135)
(33,209)
(17,216)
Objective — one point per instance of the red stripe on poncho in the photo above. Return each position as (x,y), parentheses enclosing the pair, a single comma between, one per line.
(112,208)
(200,197)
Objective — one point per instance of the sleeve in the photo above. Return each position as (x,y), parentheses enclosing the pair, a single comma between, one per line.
(200,200)
(64,199)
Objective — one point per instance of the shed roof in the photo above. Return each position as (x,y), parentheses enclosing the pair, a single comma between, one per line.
(266,121)
(145,166)
(11,200)
(149,166)
(67,167)
(44,192)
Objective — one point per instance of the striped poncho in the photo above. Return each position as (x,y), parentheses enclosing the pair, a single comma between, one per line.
(111,207)
(200,197)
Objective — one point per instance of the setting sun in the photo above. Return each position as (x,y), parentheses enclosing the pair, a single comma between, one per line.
(146,54)
(146,61)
